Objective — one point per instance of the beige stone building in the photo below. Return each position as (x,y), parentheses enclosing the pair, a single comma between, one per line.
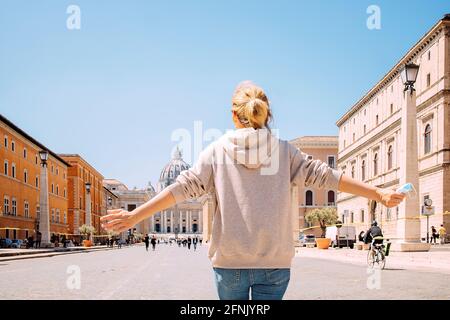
(130,199)
(324,148)
(183,218)
(370,133)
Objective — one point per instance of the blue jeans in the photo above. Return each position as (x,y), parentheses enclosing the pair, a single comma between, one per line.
(264,284)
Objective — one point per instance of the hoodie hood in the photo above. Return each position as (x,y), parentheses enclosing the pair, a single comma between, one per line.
(250,147)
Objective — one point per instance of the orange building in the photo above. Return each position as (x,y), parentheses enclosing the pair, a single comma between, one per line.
(324,148)
(20,185)
(81,172)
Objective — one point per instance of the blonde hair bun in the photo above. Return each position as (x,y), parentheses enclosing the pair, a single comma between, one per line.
(251,105)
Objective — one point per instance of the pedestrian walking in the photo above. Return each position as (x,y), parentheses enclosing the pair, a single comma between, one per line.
(153,241)
(189,241)
(434,234)
(147,242)
(38,239)
(442,234)
(194,242)
(251,243)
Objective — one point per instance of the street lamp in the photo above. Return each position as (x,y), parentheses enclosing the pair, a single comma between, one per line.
(109,202)
(43,154)
(409,76)
(88,187)
(408,228)
(43,232)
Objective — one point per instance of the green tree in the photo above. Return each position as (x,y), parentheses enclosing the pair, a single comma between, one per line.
(86,230)
(323,216)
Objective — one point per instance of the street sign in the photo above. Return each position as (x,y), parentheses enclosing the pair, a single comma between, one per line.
(427,210)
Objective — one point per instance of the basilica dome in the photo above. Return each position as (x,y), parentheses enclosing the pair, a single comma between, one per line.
(172,170)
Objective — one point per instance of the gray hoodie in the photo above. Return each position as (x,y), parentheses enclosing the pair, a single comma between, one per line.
(250,173)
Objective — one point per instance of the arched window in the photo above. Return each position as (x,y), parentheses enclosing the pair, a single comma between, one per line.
(353,171)
(331,198)
(375,164)
(363,170)
(427,139)
(389,158)
(309,198)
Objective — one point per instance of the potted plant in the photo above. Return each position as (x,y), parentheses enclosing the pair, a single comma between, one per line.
(87,231)
(324,217)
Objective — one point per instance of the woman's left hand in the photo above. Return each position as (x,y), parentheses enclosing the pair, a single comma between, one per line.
(118,220)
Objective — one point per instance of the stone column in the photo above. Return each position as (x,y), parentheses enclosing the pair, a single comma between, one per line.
(200,221)
(408,225)
(44,223)
(152,226)
(88,221)
(180,223)
(164,222)
(171,221)
(190,221)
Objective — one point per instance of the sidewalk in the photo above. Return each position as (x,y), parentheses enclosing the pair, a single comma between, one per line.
(436,260)
(20,254)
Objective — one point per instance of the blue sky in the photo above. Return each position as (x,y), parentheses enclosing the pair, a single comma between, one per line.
(115,90)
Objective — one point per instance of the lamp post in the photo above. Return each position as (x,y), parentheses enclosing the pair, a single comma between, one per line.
(408,226)
(44,223)
(88,220)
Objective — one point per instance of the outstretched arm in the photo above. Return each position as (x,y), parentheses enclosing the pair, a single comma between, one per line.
(120,220)
(387,197)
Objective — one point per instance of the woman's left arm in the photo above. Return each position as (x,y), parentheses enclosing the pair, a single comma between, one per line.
(389,198)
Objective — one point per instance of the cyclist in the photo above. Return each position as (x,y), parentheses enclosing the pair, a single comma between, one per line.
(373,232)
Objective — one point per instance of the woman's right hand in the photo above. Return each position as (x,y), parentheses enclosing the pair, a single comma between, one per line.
(118,220)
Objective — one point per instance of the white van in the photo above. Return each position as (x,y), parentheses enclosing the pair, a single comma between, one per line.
(342,237)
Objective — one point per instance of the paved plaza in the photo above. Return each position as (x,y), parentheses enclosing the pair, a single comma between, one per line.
(172,272)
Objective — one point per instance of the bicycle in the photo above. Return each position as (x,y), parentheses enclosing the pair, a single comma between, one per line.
(376,255)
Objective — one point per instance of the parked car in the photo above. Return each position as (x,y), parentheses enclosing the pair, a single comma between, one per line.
(342,237)
(5,243)
(16,243)
(307,240)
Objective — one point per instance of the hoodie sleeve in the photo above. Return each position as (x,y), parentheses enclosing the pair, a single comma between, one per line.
(195,182)
(312,173)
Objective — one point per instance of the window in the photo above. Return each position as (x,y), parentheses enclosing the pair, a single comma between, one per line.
(13,170)
(65,217)
(24,153)
(53,215)
(429,55)
(6,142)
(5,168)
(36,159)
(428,80)
(309,198)
(26,210)
(363,170)
(362,216)
(14,207)
(352,217)
(57,190)
(53,188)
(353,137)
(5,205)
(310,157)
(376,120)
(331,198)
(65,193)
(13,146)
(427,139)
(38,212)
(353,172)
(52,171)
(36,182)
(392,108)
(388,214)
(389,158)
(25,176)
(331,161)
(364,111)
(375,164)
(364,129)
(57,171)
(344,143)
(57,215)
